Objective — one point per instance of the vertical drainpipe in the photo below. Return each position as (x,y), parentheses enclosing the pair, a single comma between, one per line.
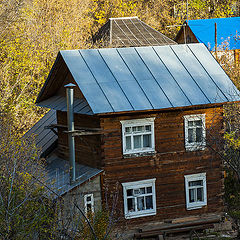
(69,92)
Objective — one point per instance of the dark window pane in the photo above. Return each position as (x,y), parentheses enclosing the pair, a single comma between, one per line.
(148,128)
(149,189)
(147,140)
(190,123)
(129,192)
(89,199)
(196,183)
(191,195)
(198,123)
(136,191)
(140,128)
(199,135)
(131,205)
(140,203)
(200,194)
(128,129)
(89,207)
(190,135)
(142,190)
(137,142)
(149,202)
(128,143)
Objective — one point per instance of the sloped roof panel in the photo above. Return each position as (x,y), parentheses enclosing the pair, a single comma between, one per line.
(193,66)
(215,71)
(44,138)
(144,78)
(191,89)
(227,31)
(163,77)
(88,84)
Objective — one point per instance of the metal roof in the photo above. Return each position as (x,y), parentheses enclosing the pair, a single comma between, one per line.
(60,103)
(45,138)
(228,32)
(57,174)
(142,78)
(129,31)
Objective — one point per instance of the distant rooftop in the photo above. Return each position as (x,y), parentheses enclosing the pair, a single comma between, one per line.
(228,32)
(129,32)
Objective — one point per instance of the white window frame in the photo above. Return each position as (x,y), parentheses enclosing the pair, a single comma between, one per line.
(195,145)
(195,177)
(135,123)
(136,185)
(86,202)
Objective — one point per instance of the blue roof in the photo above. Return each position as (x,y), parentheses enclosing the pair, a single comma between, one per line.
(227,31)
(146,78)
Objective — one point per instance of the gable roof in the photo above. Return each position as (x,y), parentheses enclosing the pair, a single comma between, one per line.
(228,32)
(146,78)
(129,31)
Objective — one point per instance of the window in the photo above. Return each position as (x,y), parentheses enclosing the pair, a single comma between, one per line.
(195,132)
(196,190)
(139,198)
(138,135)
(88,204)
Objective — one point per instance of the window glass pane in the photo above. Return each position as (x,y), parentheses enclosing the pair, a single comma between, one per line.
(142,190)
(129,192)
(149,202)
(191,195)
(199,135)
(128,143)
(200,194)
(131,204)
(134,129)
(190,135)
(190,123)
(137,142)
(148,128)
(149,189)
(147,140)
(89,207)
(198,123)
(140,203)
(136,191)
(89,198)
(128,129)
(195,183)
(140,128)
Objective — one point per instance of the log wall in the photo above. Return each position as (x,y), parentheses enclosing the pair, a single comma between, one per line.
(168,165)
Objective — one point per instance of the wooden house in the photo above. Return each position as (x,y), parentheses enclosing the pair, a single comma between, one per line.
(142,116)
(217,34)
(129,32)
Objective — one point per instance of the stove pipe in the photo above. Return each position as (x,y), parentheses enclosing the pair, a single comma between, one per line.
(71,144)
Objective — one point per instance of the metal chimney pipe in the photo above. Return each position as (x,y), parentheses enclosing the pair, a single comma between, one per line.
(71,143)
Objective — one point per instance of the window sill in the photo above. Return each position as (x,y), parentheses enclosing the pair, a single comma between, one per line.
(144,214)
(195,148)
(139,154)
(196,207)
